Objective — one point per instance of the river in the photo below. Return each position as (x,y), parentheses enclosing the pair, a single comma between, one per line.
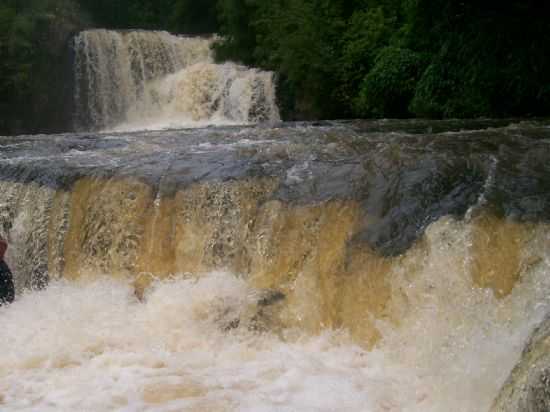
(186,250)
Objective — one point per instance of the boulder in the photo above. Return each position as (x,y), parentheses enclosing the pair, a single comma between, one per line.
(527,389)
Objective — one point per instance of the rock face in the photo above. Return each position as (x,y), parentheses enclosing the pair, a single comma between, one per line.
(527,389)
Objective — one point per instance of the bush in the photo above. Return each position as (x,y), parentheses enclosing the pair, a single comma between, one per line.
(388,88)
(367,33)
(450,87)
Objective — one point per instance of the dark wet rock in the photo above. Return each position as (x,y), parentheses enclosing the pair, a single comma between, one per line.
(527,389)
(232,324)
(404,174)
(271,297)
(261,316)
(266,314)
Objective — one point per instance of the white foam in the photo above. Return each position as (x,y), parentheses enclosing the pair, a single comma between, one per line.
(94,346)
(150,80)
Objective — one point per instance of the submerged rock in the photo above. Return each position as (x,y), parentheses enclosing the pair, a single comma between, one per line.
(527,389)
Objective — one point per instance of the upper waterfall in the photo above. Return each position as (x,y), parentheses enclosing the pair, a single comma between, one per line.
(155,80)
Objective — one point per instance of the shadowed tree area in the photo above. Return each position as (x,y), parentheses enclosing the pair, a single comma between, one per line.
(182,16)
(334,58)
(397,58)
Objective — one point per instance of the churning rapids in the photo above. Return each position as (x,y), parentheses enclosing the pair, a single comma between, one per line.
(345,266)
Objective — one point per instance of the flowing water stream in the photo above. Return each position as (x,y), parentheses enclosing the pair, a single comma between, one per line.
(337,266)
(138,80)
(367,266)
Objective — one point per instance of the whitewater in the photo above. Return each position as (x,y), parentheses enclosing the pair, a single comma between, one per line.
(92,345)
(185,250)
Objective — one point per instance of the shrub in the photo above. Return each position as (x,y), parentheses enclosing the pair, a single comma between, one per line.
(388,88)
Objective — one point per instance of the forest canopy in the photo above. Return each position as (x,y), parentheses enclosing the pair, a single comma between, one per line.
(397,58)
(333,58)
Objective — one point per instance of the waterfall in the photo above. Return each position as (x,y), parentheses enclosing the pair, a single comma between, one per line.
(361,266)
(153,80)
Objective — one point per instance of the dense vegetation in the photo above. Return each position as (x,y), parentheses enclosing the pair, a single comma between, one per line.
(32,62)
(395,58)
(181,16)
(35,93)
(334,58)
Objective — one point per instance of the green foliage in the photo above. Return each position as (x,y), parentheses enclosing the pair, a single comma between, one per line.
(487,59)
(300,39)
(333,58)
(16,59)
(15,48)
(184,16)
(30,57)
(192,16)
(368,31)
(447,88)
(435,58)
(236,18)
(389,86)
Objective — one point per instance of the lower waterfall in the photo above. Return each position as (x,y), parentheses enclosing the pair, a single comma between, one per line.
(351,266)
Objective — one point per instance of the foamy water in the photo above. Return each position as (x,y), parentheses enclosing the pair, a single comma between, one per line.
(93,346)
(151,80)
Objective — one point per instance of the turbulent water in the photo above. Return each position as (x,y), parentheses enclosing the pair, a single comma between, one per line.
(137,80)
(359,266)
(94,347)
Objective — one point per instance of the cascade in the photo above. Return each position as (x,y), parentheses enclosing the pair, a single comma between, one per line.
(361,266)
(134,80)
